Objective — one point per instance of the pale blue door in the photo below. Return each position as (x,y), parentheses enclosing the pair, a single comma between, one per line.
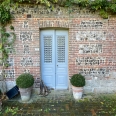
(54,58)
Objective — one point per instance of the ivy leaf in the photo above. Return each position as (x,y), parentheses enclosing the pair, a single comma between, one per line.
(55,1)
(11,27)
(7,34)
(103,14)
(0,45)
(113,8)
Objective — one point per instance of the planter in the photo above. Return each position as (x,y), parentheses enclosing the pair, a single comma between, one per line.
(77,92)
(25,93)
(12,92)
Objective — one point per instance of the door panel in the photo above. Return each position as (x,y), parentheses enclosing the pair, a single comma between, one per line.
(61,59)
(54,58)
(47,58)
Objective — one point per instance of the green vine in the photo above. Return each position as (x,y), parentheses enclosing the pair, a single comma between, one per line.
(6,45)
(6,38)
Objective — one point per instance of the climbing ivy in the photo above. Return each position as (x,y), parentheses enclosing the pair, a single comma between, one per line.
(6,38)
(104,7)
(5,15)
(6,45)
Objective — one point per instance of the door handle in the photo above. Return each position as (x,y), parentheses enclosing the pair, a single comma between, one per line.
(57,65)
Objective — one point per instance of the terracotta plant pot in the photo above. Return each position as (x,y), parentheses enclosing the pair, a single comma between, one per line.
(77,92)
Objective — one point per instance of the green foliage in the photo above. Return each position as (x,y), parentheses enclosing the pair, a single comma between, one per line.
(78,80)
(11,27)
(113,8)
(6,39)
(104,7)
(5,15)
(13,110)
(25,80)
(6,45)
(103,14)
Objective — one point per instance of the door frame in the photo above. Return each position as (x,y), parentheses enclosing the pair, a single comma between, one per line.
(64,29)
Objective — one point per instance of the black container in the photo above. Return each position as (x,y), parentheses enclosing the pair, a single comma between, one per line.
(12,92)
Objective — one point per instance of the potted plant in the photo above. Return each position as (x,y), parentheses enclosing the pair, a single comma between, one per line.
(77,82)
(25,83)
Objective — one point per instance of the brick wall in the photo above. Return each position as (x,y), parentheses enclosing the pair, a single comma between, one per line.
(92,44)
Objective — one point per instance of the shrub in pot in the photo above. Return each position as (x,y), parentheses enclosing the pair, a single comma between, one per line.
(77,82)
(25,83)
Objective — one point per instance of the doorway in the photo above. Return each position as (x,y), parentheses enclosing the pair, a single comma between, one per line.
(54,58)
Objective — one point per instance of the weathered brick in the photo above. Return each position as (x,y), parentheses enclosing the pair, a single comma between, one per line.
(91,41)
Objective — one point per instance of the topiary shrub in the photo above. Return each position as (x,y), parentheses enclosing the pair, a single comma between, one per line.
(78,80)
(25,80)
